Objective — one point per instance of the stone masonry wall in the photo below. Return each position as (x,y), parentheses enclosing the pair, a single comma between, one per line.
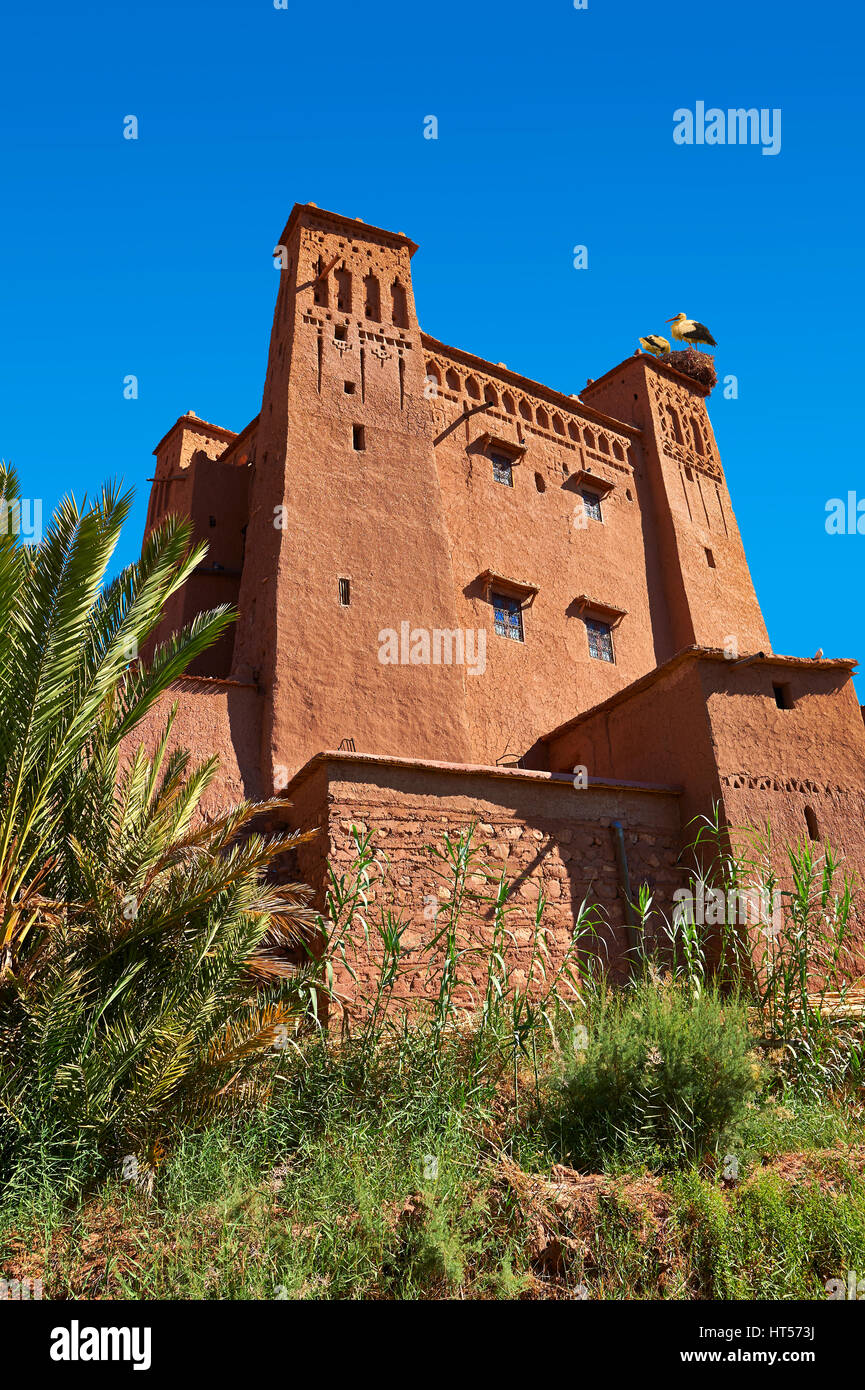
(546,835)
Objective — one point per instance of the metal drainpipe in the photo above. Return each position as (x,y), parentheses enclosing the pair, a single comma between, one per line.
(631,931)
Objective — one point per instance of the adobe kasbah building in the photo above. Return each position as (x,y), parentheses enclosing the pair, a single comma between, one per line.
(455,586)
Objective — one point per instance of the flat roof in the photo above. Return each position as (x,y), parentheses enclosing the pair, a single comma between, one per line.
(649,360)
(349,225)
(697,654)
(192,422)
(518,774)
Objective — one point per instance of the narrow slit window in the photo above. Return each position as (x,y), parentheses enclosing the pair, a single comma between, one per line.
(710,559)
(320,289)
(343,291)
(372,294)
(358,437)
(508,614)
(399,302)
(592,504)
(503,469)
(344,593)
(600,637)
(812,823)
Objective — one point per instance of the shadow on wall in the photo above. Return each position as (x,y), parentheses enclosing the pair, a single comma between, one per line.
(577,863)
(547,836)
(244,707)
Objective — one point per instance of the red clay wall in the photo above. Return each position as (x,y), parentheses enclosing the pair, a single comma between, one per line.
(773,763)
(213,716)
(323,509)
(192,479)
(529,532)
(716,729)
(706,584)
(661,724)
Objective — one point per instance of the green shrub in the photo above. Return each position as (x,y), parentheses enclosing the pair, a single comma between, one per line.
(662,1076)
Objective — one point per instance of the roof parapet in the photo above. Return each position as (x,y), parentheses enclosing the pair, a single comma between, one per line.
(190,421)
(697,654)
(350,226)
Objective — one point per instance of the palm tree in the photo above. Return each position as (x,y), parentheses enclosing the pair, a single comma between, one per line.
(144,969)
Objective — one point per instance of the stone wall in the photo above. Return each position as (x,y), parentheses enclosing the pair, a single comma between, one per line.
(547,837)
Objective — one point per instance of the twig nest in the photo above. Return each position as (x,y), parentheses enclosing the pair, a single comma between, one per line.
(691,362)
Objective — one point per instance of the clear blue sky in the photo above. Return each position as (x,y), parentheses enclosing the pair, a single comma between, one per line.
(152,257)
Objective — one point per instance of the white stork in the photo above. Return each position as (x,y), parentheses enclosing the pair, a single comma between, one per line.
(655,344)
(689,331)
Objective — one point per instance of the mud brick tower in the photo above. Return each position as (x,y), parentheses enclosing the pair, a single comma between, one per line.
(455,586)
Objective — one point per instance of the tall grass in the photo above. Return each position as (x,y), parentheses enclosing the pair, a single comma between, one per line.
(784,945)
(468,980)
(403,1144)
(486,1009)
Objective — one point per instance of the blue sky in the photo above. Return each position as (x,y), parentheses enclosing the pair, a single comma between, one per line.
(152,257)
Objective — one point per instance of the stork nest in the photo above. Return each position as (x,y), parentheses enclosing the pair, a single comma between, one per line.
(691,362)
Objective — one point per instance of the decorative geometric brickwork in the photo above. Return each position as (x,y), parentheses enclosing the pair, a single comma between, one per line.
(685,431)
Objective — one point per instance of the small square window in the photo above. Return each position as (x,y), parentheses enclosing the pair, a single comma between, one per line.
(783,695)
(345,593)
(592,504)
(349,388)
(600,640)
(358,437)
(503,469)
(508,616)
